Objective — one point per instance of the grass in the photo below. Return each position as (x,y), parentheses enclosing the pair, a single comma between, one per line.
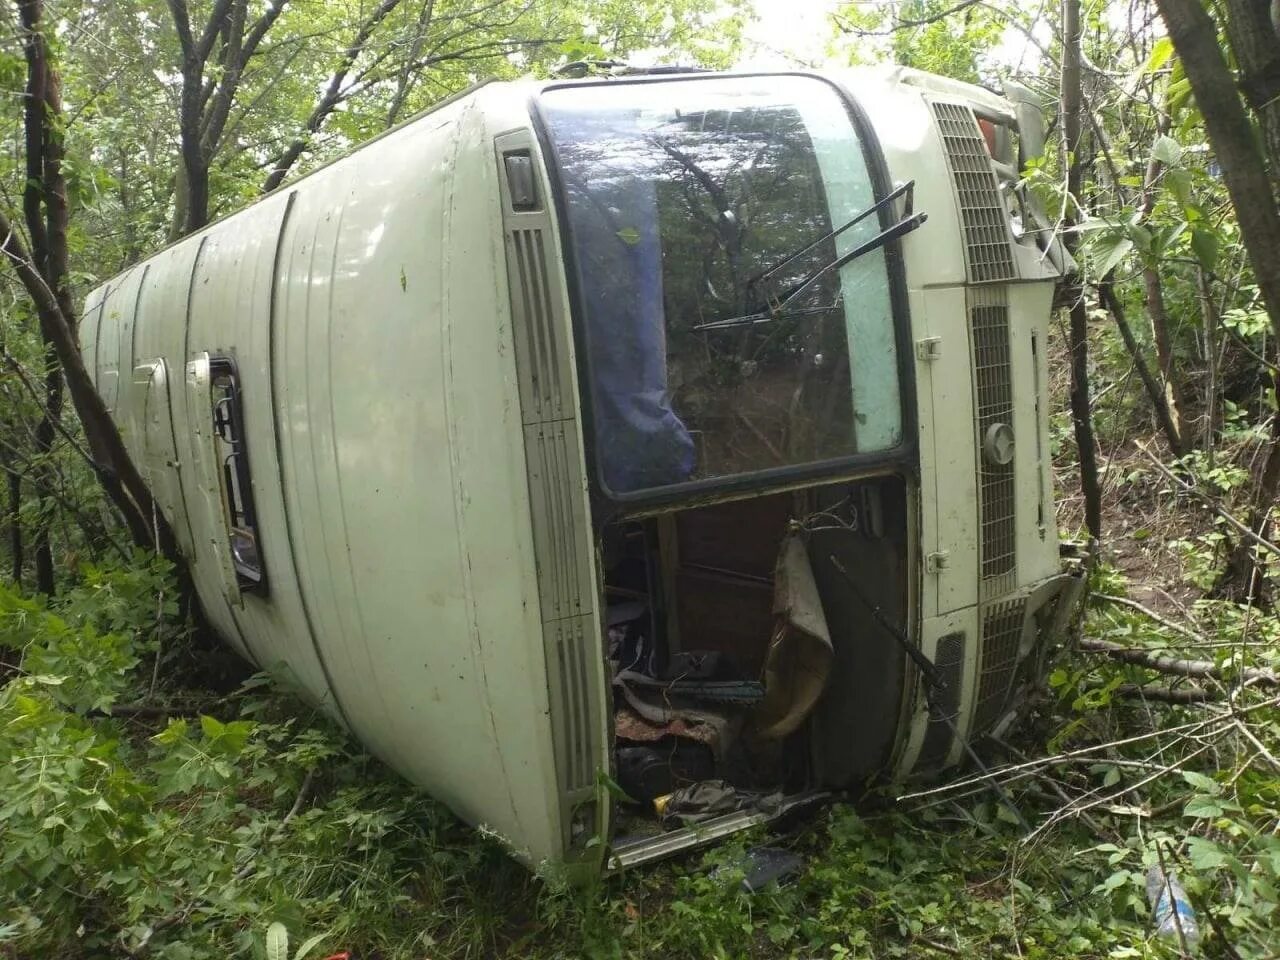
(194,829)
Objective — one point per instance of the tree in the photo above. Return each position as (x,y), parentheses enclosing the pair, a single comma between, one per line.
(206,101)
(1252,192)
(40,263)
(1078,337)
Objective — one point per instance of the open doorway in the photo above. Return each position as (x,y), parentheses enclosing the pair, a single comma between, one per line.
(745,669)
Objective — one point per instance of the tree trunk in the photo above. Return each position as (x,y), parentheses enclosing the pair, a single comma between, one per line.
(205,104)
(405,76)
(332,96)
(1195,39)
(1252,195)
(195,167)
(43,273)
(1174,401)
(1254,34)
(1209,319)
(1159,399)
(1081,415)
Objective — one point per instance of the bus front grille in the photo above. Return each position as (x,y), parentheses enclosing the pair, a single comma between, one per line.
(989,332)
(1002,626)
(982,213)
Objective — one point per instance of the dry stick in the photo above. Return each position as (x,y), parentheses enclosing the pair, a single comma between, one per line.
(1056,787)
(1184,695)
(1212,503)
(1262,750)
(1081,806)
(1152,615)
(1032,766)
(1177,666)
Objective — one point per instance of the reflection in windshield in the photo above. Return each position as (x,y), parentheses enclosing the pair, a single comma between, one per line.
(680,195)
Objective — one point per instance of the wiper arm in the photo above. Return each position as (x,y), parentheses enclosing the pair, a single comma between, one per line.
(762,316)
(773,306)
(904,226)
(907,191)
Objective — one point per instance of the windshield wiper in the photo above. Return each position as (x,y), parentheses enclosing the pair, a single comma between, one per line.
(773,305)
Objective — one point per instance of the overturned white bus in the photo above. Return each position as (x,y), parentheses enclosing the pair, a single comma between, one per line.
(665,432)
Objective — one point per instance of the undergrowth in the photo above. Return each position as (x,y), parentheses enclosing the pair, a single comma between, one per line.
(145,815)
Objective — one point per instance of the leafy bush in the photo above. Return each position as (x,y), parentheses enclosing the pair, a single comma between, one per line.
(145,819)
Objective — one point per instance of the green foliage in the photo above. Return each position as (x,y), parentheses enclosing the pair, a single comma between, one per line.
(923,34)
(119,836)
(243,825)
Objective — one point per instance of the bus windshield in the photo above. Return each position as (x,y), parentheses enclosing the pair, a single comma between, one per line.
(700,216)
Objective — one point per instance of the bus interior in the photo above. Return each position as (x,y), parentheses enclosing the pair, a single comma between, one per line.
(744,669)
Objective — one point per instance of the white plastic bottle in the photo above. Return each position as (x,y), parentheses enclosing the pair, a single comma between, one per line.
(1170,910)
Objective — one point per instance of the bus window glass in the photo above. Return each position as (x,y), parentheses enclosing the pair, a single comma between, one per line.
(681,197)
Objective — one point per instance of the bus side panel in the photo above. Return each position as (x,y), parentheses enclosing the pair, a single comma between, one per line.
(160,337)
(89,321)
(114,330)
(231,316)
(951,472)
(360,369)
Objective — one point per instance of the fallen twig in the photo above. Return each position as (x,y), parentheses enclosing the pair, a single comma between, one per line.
(1151,615)
(1139,691)
(1177,666)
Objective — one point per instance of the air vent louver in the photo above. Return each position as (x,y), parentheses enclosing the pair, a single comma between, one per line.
(982,213)
(989,331)
(948,659)
(559,519)
(551,451)
(542,355)
(1001,640)
(575,755)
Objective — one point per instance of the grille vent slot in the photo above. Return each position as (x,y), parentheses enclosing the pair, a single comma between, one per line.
(1001,641)
(575,755)
(552,453)
(989,330)
(560,525)
(540,351)
(982,213)
(948,659)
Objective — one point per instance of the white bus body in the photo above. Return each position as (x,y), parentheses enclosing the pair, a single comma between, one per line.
(493,435)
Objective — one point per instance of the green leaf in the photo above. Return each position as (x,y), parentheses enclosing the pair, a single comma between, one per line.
(1178,180)
(277,940)
(1202,806)
(1115,881)
(1109,251)
(211,727)
(1201,782)
(1140,236)
(629,235)
(1167,150)
(309,944)
(1204,243)
(1161,51)
(1204,854)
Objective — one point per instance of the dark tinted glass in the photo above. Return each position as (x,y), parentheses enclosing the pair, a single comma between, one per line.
(680,195)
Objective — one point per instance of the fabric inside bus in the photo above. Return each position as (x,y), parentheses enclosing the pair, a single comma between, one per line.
(642,443)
